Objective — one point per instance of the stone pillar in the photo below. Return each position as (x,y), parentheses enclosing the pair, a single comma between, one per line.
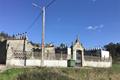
(74,54)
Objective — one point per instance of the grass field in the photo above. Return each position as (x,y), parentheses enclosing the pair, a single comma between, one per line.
(39,73)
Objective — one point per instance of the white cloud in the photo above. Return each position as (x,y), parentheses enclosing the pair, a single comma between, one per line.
(95,27)
(90,27)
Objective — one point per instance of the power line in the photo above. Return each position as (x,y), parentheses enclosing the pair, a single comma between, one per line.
(48,5)
(43,25)
(31,25)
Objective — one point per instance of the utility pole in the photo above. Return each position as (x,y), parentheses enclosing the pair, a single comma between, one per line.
(43,36)
(43,28)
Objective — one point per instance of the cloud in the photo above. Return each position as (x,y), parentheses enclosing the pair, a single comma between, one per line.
(90,27)
(95,27)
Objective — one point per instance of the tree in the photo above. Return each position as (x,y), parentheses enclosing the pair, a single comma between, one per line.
(5,35)
(114,49)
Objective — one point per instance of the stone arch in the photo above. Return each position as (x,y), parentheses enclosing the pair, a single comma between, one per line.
(78,53)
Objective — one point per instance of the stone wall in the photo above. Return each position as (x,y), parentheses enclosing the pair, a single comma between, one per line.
(16,45)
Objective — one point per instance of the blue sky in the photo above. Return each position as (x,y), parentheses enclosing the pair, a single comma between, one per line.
(97,22)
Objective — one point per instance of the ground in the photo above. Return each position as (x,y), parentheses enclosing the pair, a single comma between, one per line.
(44,73)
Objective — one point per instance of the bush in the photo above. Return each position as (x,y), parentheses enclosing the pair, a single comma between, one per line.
(36,75)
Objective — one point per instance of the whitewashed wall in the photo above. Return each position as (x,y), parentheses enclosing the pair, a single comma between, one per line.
(105,54)
(16,62)
(68,53)
(55,63)
(37,62)
(97,64)
(33,62)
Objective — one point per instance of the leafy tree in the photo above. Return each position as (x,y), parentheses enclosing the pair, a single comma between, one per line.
(62,46)
(5,35)
(114,49)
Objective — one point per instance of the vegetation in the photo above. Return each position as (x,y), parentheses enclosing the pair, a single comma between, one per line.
(10,74)
(4,35)
(114,49)
(43,74)
(38,73)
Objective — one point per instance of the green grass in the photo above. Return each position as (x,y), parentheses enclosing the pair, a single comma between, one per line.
(10,74)
(116,68)
(38,73)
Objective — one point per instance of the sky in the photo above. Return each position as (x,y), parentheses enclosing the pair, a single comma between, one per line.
(96,22)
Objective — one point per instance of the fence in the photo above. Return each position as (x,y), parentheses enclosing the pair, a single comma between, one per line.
(96,58)
(37,55)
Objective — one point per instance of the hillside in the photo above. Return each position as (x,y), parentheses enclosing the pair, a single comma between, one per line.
(38,73)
